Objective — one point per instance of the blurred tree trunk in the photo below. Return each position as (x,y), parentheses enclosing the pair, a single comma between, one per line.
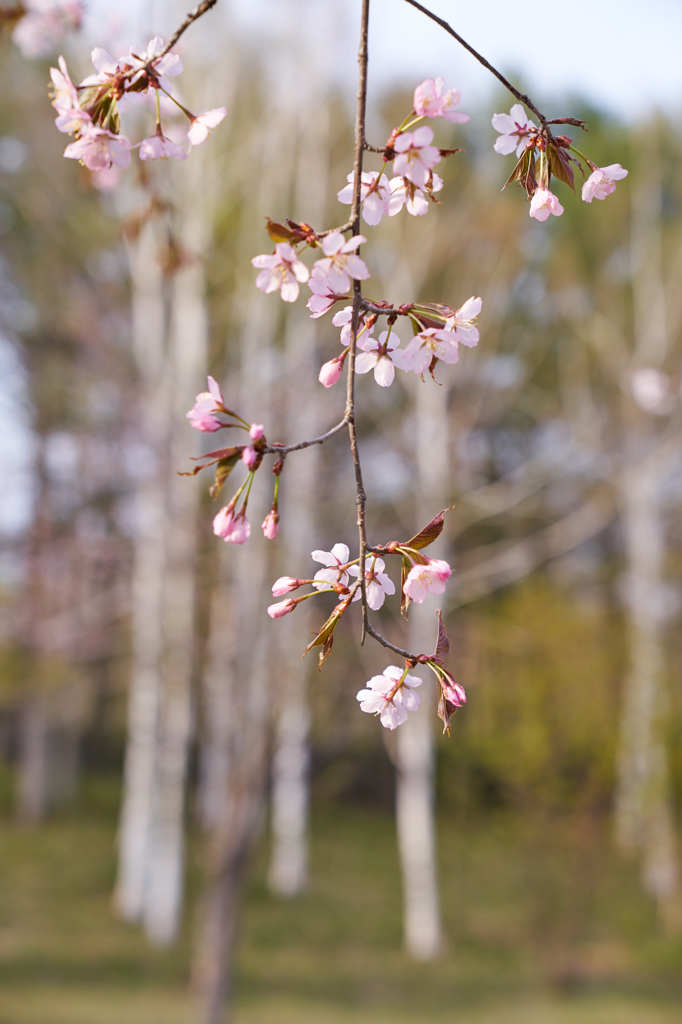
(288,868)
(415,798)
(187,359)
(149,332)
(644,818)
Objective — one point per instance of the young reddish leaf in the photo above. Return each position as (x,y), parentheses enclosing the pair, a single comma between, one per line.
(442,641)
(559,166)
(524,172)
(222,471)
(430,532)
(445,712)
(278,232)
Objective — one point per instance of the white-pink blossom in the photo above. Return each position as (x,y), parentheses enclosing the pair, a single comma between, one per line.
(285,584)
(270,525)
(602,182)
(462,323)
(415,156)
(429,343)
(281,270)
(340,262)
(515,128)
(70,118)
(374,195)
(281,608)
(433,99)
(390,695)
(426,579)
(415,200)
(344,319)
(160,147)
(43,25)
(206,404)
(543,203)
(377,583)
(381,355)
(204,123)
(98,149)
(324,296)
(234,529)
(336,567)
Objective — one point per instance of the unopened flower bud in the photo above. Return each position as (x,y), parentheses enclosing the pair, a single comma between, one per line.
(270,524)
(284,585)
(330,372)
(251,458)
(282,608)
(256,431)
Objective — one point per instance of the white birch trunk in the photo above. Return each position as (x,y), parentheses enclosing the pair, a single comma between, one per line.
(415,798)
(144,699)
(187,356)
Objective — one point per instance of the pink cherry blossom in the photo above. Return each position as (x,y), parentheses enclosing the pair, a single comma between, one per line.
(415,200)
(43,25)
(256,431)
(543,203)
(331,371)
(70,118)
(250,457)
(336,563)
(282,270)
(98,149)
(377,583)
(429,343)
(454,693)
(168,65)
(462,323)
(281,608)
(206,404)
(344,320)
(204,123)
(426,579)
(323,297)
(374,195)
(602,182)
(234,529)
(515,128)
(390,696)
(160,147)
(285,584)
(382,356)
(433,99)
(416,157)
(340,262)
(270,525)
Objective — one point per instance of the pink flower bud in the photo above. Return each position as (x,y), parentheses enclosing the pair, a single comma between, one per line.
(234,529)
(256,431)
(455,694)
(250,457)
(330,372)
(282,608)
(284,585)
(270,524)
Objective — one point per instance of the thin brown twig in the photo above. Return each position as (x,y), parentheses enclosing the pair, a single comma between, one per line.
(360,496)
(284,449)
(479,57)
(200,9)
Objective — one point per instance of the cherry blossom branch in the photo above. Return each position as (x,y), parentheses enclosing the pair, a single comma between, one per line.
(407,655)
(480,58)
(360,116)
(198,11)
(284,449)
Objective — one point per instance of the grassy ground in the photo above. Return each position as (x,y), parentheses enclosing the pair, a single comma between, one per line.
(544,926)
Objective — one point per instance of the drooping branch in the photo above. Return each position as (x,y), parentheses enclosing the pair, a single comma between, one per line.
(284,449)
(198,11)
(480,58)
(360,115)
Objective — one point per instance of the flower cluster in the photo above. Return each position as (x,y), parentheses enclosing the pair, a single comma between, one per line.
(437,330)
(42,24)
(541,154)
(91,111)
(208,414)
